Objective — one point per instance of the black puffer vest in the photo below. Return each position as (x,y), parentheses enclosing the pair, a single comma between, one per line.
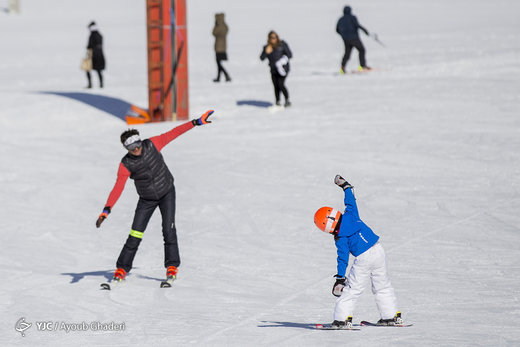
(149,171)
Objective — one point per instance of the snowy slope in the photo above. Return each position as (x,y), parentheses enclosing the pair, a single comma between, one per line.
(430,142)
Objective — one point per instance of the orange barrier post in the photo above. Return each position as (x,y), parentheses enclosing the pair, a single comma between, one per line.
(181,105)
(159,33)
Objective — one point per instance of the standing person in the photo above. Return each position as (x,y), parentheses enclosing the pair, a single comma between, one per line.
(154,183)
(352,236)
(95,51)
(347,27)
(278,53)
(220,32)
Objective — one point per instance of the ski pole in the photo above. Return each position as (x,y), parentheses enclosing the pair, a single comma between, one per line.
(374,36)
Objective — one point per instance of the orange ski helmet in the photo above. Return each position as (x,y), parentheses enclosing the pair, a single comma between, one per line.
(326,219)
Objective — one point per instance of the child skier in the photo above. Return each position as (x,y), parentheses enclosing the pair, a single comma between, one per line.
(153,180)
(353,236)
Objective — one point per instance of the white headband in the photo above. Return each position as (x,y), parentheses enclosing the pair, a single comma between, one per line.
(131,139)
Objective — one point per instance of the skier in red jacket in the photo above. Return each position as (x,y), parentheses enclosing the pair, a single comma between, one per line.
(154,183)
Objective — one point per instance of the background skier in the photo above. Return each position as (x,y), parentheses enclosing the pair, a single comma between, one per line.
(154,183)
(352,236)
(278,53)
(95,51)
(347,27)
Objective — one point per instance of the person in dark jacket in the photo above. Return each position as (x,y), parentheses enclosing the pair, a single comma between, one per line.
(95,51)
(154,183)
(220,32)
(348,27)
(278,53)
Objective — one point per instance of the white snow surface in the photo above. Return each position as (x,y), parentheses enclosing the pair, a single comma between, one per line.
(430,141)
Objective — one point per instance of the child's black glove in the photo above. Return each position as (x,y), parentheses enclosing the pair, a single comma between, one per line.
(341,182)
(338,286)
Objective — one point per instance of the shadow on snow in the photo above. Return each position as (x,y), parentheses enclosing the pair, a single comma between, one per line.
(76,277)
(108,274)
(256,103)
(114,106)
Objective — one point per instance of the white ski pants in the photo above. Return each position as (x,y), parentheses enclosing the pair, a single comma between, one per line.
(370,265)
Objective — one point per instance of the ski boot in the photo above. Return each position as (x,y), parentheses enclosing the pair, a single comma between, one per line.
(117,280)
(338,324)
(364,68)
(397,320)
(119,275)
(171,272)
(171,275)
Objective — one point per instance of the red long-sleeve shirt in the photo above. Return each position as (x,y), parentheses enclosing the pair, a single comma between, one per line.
(159,143)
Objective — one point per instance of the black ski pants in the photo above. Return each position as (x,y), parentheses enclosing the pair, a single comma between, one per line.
(143,213)
(221,57)
(279,87)
(357,44)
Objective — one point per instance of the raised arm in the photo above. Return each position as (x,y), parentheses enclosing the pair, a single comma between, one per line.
(164,139)
(350,201)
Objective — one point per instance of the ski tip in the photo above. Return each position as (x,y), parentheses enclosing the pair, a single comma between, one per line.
(165,285)
(105,286)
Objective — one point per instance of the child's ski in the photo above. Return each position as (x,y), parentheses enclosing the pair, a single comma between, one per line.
(329,327)
(369,324)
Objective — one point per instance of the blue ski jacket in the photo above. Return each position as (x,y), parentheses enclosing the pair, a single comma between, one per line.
(353,235)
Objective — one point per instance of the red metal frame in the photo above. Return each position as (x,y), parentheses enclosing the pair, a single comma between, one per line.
(168,97)
(181,111)
(159,59)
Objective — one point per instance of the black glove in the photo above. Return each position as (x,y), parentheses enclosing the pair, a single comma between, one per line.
(341,182)
(103,216)
(338,286)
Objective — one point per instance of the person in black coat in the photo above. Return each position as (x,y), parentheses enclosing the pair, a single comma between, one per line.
(278,53)
(95,51)
(348,27)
